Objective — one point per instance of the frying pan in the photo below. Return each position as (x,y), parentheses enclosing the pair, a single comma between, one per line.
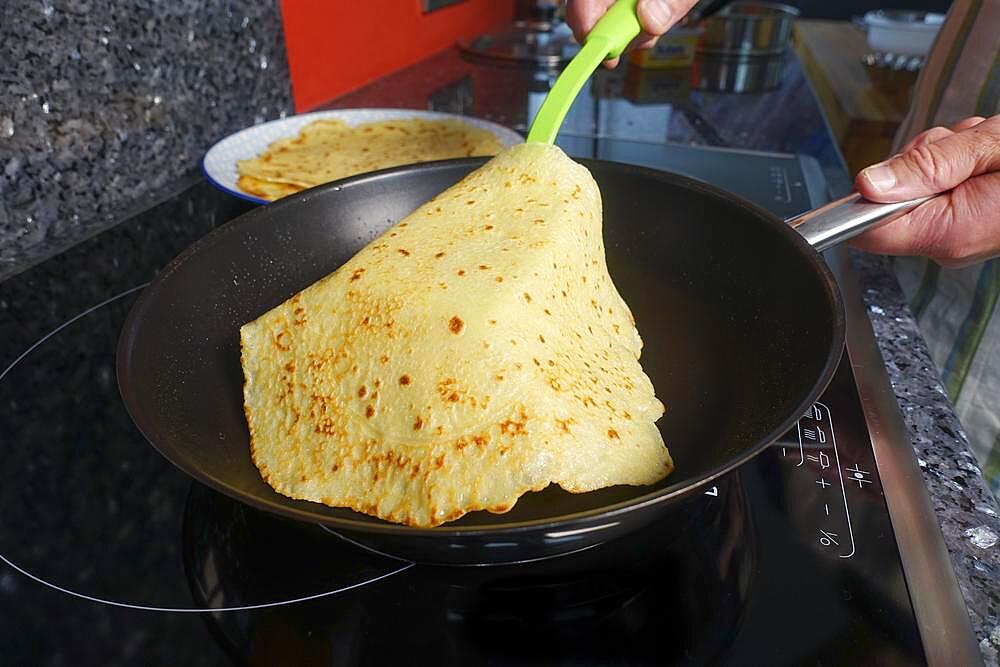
(741,319)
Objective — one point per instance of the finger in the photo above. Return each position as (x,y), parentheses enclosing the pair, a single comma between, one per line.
(926,137)
(643,41)
(965,124)
(581,15)
(974,232)
(935,167)
(912,234)
(656,16)
(938,133)
(955,229)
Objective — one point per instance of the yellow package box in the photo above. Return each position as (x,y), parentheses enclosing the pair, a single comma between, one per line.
(674,49)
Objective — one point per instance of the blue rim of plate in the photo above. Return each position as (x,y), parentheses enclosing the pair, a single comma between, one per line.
(251,141)
(239,194)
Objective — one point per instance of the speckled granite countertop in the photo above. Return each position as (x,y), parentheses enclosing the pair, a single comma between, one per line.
(96,123)
(965,509)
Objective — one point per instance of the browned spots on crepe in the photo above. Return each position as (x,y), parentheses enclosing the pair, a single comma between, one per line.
(515,427)
(497,410)
(564,424)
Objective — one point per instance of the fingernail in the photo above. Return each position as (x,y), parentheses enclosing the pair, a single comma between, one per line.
(880,177)
(655,16)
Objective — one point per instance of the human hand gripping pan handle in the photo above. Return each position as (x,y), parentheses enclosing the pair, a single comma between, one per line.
(944,186)
(848,217)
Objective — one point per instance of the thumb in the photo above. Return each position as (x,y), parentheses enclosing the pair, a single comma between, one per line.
(931,168)
(656,16)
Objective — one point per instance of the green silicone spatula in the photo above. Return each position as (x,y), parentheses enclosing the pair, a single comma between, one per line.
(607,39)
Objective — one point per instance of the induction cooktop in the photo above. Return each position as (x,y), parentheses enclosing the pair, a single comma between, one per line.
(823,550)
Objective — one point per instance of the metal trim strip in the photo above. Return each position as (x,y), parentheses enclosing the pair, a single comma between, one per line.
(941,612)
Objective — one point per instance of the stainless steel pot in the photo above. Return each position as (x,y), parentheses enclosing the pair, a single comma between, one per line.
(724,73)
(748,29)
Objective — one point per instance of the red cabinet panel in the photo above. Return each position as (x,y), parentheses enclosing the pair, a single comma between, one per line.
(335,46)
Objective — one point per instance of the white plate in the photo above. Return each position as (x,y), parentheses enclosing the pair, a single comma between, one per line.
(219,164)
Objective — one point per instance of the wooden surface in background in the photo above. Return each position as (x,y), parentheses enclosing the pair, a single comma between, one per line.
(864,107)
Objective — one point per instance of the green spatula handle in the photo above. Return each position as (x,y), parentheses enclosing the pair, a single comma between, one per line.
(608,39)
(618,27)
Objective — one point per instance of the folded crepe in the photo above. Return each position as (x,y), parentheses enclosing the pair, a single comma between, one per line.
(473,352)
(328,149)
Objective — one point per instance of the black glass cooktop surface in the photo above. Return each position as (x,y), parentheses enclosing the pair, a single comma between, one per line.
(110,555)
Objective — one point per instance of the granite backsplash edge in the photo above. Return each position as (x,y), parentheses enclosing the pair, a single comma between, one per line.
(97,124)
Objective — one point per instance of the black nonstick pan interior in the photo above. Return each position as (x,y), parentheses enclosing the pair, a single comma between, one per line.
(741,323)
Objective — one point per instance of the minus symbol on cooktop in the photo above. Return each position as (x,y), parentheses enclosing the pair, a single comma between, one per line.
(826,507)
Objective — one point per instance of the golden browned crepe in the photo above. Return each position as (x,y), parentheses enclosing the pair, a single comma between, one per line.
(326,150)
(266,189)
(475,351)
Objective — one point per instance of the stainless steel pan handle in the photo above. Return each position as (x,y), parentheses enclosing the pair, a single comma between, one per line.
(846,218)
